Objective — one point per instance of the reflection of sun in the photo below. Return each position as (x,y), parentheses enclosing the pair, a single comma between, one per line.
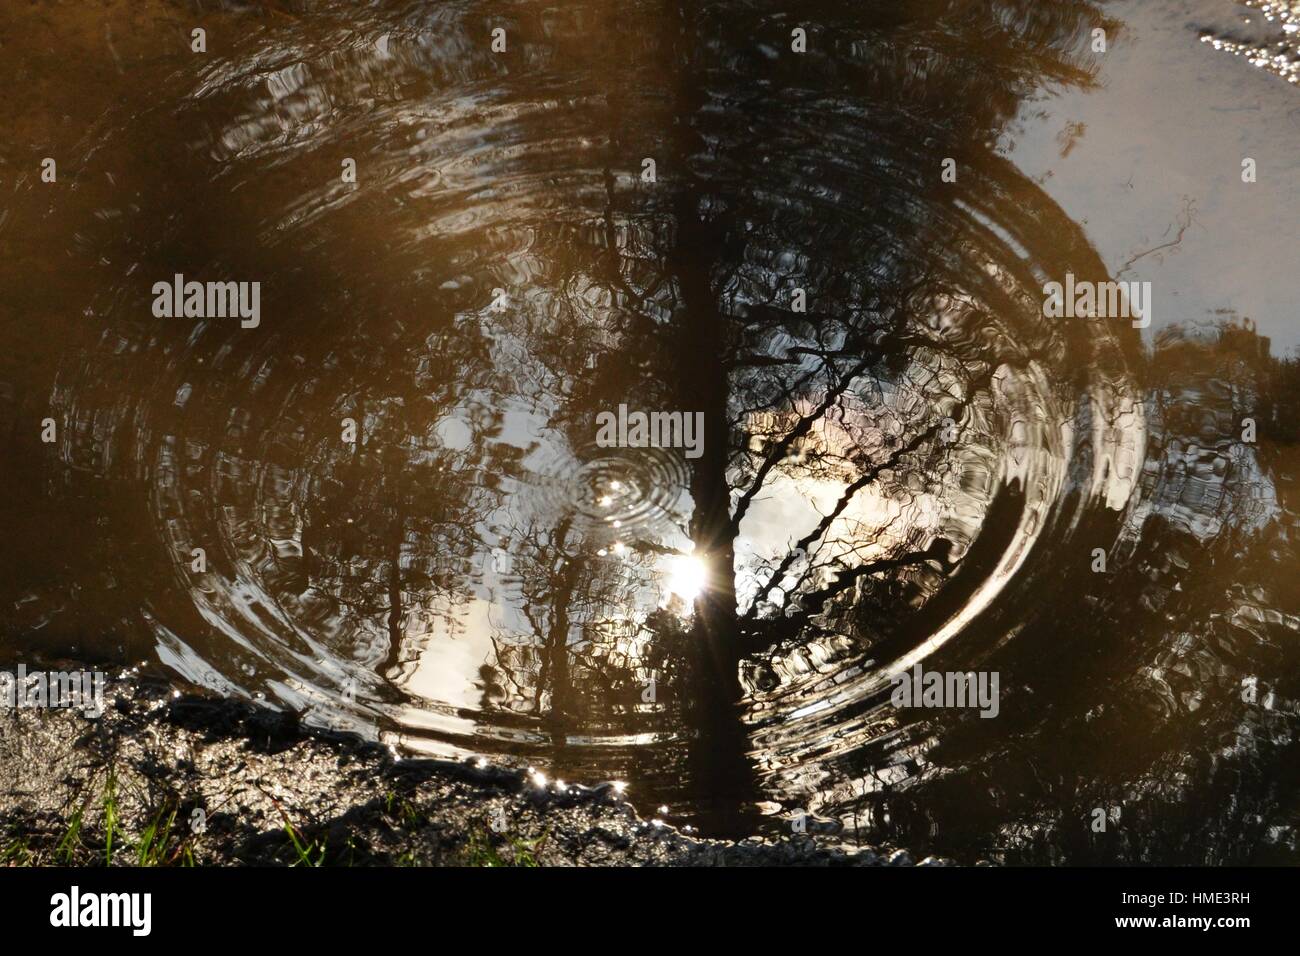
(687,577)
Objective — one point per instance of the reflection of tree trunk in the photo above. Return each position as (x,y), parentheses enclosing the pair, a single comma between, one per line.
(717,756)
(705,388)
(718,747)
(717,752)
(554,670)
(700,243)
(395,538)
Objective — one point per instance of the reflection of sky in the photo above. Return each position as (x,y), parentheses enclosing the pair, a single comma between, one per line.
(457,639)
(790,508)
(1170,122)
(452,652)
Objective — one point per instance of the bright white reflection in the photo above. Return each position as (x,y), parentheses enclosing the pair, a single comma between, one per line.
(687,577)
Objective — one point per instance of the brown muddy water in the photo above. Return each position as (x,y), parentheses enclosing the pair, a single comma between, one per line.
(383,500)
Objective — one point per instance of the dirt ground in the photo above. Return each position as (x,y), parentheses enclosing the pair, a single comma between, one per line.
(159,780)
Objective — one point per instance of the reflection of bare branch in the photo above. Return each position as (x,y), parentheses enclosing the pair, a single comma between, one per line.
(782,448)
(1186,220)
(829,518)
(813,601)
(582,649)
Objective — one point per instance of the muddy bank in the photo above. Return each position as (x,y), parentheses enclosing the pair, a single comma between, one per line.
(165,780)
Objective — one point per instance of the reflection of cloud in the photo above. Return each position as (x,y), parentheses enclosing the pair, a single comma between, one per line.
(454,434)
(792,507)
(454,648)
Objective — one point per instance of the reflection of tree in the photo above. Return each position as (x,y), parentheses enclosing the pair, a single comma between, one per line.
(584,653)
(1185,638)
(777,382)
(390,518)
(815,172)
